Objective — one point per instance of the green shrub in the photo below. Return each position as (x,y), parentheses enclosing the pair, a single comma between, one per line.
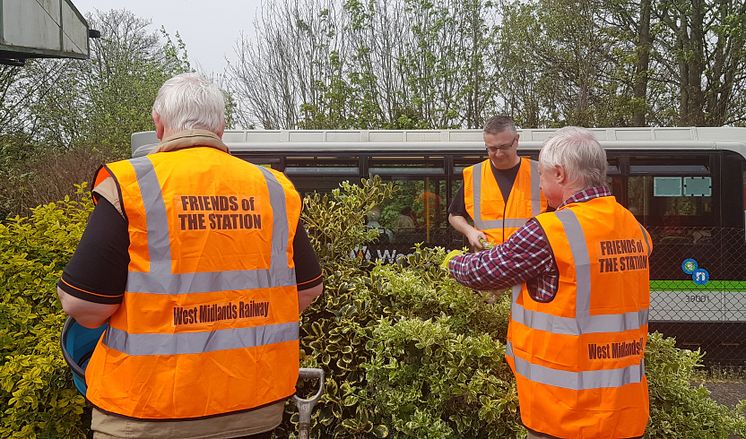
(679,409)
(36,390)
(344,330)
(336,221)
(426,380)
(410,353)
(407,351)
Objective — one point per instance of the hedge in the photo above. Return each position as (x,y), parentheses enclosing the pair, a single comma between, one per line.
(407,351)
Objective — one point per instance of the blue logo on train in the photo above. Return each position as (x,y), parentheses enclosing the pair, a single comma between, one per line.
(700,276)
(689,266)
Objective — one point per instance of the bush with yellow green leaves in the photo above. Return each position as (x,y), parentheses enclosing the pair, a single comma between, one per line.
(410,353)
(37,397)
(407,351)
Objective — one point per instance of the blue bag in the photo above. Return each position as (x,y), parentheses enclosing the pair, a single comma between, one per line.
(78,343)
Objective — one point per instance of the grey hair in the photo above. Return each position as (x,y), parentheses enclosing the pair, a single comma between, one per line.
(189,101)
(498,124)
(576,150)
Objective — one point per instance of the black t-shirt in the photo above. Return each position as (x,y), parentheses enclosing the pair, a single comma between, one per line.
(97,271)
(505,179)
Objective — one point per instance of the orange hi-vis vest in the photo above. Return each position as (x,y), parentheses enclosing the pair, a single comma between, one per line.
(209,320)
(579,358)
(484,201)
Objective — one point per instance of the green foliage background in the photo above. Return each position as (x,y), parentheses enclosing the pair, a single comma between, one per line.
(63,118)
(36,394)
(407,351)
(414,64)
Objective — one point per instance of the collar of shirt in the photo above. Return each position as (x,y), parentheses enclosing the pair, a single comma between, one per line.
(513,170)
(586,194)
(191,138)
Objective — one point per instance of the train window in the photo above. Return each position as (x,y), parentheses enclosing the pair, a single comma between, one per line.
(345,171)
(661,201)
(682,169)
(615,180)
(407,167)
(461,162)
(417,214)
(268,162)
(616,185)
(300,162)
(406,162)
(672,191)
(321,173)
(322,184)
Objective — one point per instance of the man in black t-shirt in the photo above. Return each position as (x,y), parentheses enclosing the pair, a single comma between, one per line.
(131,264)
(497,212)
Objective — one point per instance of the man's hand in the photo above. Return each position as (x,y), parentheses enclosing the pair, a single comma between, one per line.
(307,296)
(475,238)
(486,245)
(463,227)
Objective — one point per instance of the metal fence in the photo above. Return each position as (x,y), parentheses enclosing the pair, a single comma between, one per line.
(698,290)
(698,284)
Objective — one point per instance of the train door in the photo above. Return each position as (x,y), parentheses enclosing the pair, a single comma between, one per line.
(675,196)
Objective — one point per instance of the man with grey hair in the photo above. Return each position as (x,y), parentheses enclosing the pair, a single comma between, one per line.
(198,265)
(580,298)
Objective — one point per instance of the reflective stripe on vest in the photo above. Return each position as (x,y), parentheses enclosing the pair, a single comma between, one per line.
(160,280)
(485,224)
(571,326)
(579,358)
(584,380)
(584,322)
(645,235)
(198,342)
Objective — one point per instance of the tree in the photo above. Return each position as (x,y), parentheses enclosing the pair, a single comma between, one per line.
(290,60)
(367,64)
(114,91)
(80,111)
(644,42)
(701,51)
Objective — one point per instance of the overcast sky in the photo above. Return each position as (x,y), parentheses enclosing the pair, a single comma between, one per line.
(209,29)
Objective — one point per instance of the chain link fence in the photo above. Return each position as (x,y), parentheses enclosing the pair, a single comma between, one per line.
(698,284)
(698,290)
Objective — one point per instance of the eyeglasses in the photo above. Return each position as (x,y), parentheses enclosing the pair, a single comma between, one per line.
(494,149)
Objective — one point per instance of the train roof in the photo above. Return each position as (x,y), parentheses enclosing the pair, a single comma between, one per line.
(459,141)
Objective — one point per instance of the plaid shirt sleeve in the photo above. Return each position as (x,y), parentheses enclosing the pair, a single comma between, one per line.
(525,255)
